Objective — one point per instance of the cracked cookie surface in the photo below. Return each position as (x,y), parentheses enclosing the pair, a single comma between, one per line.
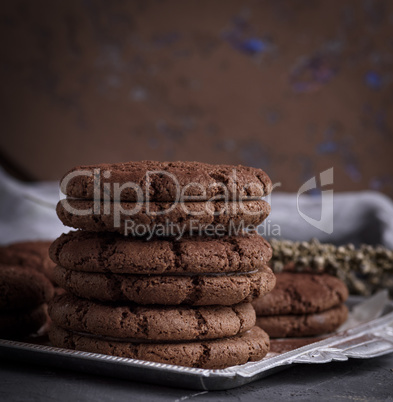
(292,325)
(111,252)
(161,323)
(163,219)
(168,181)
(197,290)
(250,346)
(302,293)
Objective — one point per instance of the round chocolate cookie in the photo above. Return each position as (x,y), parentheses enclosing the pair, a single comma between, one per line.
(22,288)
(163,219)
(29,254)
(281,326)
(150,323)
(250,346)
(197,290)
(22,322)
(166,181)
(302,293)
(112,252)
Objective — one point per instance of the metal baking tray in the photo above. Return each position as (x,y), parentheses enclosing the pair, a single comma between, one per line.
(370,339)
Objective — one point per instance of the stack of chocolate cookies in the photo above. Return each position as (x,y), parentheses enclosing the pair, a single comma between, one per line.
(175,290)
(302,304)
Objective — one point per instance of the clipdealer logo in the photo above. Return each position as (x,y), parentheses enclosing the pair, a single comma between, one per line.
(106,198)
(325,223)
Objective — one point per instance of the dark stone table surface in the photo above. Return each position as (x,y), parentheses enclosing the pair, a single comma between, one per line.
(354,380)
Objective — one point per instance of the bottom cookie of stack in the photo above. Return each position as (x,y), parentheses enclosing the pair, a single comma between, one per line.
(205,337)
(302,304)
(250,346)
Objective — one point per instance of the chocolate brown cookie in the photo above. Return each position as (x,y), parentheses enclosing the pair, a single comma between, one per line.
(22,322)
(29,254)
(150,323)
(166,181)
(281,326)
(250,346)
(22,288)
(197,290)
(163,219)
(302,293)
(112,252)
(283,345)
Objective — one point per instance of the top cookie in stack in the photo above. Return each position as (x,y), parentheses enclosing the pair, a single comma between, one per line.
(166,181)
(181,299)
(137,198)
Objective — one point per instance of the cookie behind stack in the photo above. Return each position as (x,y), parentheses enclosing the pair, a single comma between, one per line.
(26,274)
(302,304)
(182,301)
(23,294)
(29,254)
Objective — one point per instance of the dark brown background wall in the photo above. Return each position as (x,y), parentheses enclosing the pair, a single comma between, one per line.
(294,87)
